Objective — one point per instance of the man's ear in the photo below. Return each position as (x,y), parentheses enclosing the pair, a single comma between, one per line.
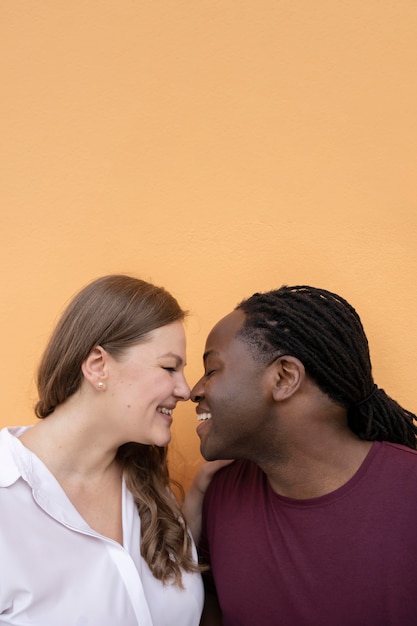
(288,374)
(94,368)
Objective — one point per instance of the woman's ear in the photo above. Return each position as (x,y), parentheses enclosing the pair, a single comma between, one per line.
(288,374)
(94,368)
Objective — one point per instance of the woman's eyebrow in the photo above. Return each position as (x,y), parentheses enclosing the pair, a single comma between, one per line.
(174,356)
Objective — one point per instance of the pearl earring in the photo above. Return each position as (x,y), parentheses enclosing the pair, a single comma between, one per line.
(100,385)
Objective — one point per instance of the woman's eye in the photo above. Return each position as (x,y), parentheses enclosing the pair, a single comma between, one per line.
(170,369)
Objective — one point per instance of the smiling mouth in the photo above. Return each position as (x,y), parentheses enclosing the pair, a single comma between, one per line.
(203,416)
(165,411)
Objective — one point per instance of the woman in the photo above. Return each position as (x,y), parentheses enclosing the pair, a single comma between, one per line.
(90,532)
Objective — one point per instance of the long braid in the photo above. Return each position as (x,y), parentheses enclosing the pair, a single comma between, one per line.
(382,418)
(325,332)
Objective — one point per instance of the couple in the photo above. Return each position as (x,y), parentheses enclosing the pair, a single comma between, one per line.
(312,524)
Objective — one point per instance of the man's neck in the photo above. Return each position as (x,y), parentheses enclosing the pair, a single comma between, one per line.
(313,472)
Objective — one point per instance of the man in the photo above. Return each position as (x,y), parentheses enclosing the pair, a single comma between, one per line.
(314,524)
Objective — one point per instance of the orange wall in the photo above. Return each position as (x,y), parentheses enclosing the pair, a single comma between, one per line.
(216,148)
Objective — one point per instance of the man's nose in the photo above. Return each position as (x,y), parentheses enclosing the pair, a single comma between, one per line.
(197,392)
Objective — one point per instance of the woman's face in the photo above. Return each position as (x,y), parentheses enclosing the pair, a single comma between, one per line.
(144,385)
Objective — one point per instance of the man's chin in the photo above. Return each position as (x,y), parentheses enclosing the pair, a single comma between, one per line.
(205,451)
(209,454)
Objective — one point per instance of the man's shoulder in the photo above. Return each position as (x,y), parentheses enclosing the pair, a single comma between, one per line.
(394,467)
(400,449)
(398,453)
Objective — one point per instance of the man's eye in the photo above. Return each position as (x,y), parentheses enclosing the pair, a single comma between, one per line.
(209,373)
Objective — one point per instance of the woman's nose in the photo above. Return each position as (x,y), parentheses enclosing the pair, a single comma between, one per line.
(183,390)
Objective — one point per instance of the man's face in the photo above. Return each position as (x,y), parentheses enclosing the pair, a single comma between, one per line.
(231,397)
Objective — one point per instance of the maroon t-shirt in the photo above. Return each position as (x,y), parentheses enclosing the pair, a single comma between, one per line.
(348,558)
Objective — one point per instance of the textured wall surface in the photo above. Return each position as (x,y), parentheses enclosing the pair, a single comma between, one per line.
(216,148)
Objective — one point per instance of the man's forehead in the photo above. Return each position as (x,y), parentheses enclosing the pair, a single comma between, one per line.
(225,330)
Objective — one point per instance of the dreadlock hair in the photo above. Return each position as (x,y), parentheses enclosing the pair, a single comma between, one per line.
(325,333)
(116,312)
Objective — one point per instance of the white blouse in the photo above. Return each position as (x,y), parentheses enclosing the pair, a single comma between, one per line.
(56,571)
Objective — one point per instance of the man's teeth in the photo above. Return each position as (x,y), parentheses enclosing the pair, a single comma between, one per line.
(162,409)
(204,416)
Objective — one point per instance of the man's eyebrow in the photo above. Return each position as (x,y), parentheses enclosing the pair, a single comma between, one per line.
(209,353)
